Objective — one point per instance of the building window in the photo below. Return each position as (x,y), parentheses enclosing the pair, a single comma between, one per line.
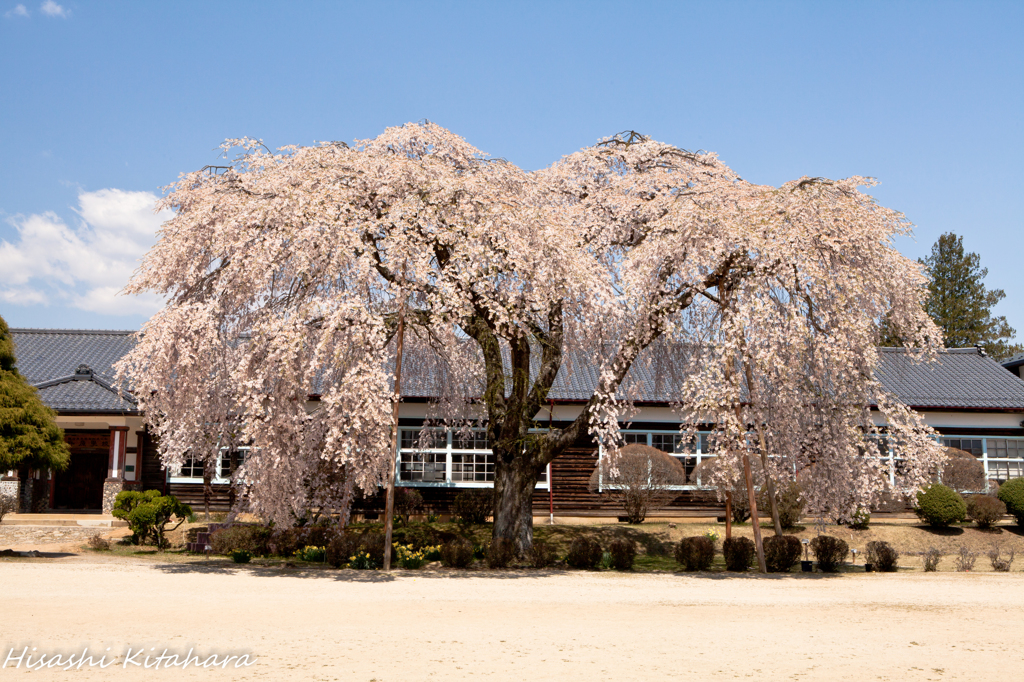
(1005,448)
(473,466)
(448,457)
(422,467)
(689,451)
(192,468)
(971,445)
(1005,458)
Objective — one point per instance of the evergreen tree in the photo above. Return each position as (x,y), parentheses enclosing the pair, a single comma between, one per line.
(28,431)
(959,302)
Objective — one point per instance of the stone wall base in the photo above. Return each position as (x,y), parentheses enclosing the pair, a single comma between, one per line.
(112,486)
(34,495)
(10,494)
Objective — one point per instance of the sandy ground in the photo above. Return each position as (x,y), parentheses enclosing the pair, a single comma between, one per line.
(538,625)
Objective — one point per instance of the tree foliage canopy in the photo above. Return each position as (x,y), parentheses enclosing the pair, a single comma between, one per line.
(28,430)
(284,272)
(959,302)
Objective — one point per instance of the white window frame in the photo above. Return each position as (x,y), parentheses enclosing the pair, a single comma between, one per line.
(451,441)
(222,461)
(698,453)
(986,459)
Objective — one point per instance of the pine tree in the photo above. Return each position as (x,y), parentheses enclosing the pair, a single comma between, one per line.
(28,431)
(960,304)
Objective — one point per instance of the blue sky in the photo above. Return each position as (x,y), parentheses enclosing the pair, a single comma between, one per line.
(102,104)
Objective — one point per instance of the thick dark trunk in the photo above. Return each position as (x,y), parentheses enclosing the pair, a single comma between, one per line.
(514,483)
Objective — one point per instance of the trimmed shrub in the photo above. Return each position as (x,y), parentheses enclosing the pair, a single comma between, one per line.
(939,505)
(998,562)
(962,471)
(500,553)
(623,554)
(931,560)
(473,506)
(739,553)
(985,510)
(1012,495)
(639,477)
(241,556)
(883,556)
(541,554)
(740,504)
(373,545)
(584,553)
(148,514)
(407,501)
(420,535)
(965,559)
(861,519)
(790,502)
(286,541)
(830,552)
(695,553)
(253,538)
(781,552)
(457,553)
(342,548)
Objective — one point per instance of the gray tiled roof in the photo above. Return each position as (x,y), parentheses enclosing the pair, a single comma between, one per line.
(961,378)
(49,359)
(1013,361)
(83,396)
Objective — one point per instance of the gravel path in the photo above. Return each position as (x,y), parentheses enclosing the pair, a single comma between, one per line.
(363,626)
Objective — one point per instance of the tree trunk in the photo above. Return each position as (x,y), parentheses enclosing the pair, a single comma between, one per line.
(514,483)
(754,521)
(769,483)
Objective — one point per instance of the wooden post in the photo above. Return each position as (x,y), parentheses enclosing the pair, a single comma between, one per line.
(728,514)
(389,506)
(753,513)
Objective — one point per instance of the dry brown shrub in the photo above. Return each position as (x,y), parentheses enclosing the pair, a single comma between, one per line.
(640,476)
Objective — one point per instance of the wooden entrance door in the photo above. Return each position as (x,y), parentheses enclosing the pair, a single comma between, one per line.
(80,486)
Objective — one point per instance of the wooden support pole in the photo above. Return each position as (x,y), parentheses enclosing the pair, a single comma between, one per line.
(389,506)
(728,514)
(754,520)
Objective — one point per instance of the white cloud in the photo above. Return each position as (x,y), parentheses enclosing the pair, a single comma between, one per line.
(18,11)
(52,9)
(84,266)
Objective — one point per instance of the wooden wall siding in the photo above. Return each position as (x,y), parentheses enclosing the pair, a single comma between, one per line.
(153,474)
(571,474)
(192,495)
(87,440)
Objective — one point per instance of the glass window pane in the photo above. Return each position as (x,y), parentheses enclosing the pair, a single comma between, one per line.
(424,439)
(632,438)
(475,440)
(422,466)
(477,467)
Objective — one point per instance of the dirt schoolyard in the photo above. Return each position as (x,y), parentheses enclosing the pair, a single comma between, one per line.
(306,624)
